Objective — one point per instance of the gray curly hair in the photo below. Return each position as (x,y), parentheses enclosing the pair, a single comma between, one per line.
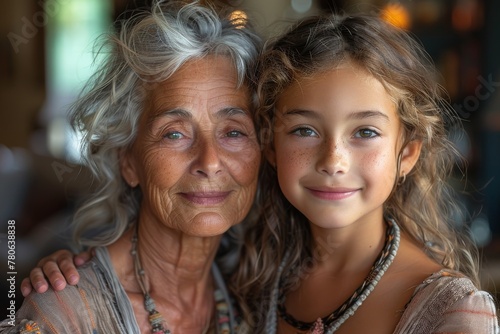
(148,47)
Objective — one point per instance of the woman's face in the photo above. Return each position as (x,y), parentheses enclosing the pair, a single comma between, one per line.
(196,155)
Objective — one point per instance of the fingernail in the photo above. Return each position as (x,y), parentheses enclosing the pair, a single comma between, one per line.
(58,283)
(25,291)
(37,286)
(72,279)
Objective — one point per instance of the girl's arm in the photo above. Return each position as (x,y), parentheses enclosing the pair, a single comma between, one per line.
(59,268)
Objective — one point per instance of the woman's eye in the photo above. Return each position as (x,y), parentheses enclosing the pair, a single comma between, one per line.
(366,133)
(304,132)
(173,135)
(234,134)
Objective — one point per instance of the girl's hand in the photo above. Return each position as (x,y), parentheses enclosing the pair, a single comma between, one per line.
(59,268)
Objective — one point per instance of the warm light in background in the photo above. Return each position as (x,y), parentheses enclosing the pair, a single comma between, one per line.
(466,15)
(428,12)
(239,18)
(397,15)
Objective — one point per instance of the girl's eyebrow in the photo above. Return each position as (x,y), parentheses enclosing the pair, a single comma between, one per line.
(301,112)
(369,114)
(357,115)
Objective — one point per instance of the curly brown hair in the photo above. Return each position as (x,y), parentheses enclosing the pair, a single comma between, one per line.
(423,206)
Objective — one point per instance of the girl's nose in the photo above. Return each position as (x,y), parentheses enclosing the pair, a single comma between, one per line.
(333,158)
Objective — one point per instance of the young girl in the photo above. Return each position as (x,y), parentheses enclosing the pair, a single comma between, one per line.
(356,231)
(356,222)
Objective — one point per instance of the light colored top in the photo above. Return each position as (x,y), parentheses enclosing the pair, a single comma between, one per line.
(448,302)
(97,305)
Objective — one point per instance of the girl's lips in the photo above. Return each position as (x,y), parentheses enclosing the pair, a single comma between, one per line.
(206,198)
(333,194)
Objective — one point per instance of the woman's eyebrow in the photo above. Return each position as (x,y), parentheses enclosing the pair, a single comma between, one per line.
(184,114)
(176,112)
(230,111)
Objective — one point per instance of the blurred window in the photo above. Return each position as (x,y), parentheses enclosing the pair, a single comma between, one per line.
(71,35)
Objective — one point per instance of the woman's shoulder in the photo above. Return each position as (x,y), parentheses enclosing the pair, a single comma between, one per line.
(73,309)
(448,301)
(56,311)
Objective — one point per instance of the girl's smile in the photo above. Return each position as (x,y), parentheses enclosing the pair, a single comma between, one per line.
(332,194)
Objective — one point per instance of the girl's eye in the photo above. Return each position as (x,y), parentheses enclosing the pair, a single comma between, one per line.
(366,133)
(173,135)
(304,132)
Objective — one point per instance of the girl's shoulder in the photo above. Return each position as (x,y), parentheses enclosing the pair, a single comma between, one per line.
(448,301)
(444,278)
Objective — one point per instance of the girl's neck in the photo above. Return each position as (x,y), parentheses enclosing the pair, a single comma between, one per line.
(348,248)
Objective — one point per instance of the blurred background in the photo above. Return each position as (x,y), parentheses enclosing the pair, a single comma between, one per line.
(46,53)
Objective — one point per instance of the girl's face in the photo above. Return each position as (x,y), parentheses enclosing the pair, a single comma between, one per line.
(336,141)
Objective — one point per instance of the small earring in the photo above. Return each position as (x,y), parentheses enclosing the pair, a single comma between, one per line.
(402,179)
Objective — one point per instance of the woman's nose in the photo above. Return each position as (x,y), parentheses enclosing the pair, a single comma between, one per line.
(207,160)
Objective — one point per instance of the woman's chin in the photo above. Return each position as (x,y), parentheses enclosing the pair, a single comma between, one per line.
(209,225)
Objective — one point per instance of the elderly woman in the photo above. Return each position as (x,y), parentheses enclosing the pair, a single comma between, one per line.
(169,135)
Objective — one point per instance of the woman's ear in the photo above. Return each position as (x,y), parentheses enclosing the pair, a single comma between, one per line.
(409,156)
(128,168)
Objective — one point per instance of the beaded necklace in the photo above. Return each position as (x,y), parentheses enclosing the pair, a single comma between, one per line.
(223,310)
(334,320)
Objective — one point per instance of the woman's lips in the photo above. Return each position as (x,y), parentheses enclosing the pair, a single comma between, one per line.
(206,198)
(332,194)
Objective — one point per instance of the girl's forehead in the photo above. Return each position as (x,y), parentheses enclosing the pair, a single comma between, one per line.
(358,72)
(338,78)
(339,91)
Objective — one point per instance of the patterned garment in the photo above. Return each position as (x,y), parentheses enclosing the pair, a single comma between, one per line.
(98,305)
(448,302)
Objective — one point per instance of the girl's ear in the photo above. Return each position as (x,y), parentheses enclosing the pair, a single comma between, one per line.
(409,156)
(270,155)
(128,168)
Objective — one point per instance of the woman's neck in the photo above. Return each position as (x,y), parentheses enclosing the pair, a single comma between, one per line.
(177,273)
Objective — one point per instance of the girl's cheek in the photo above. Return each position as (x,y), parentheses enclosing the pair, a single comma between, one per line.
(380,163)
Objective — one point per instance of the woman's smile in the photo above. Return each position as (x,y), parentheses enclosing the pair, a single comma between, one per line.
(206,198)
